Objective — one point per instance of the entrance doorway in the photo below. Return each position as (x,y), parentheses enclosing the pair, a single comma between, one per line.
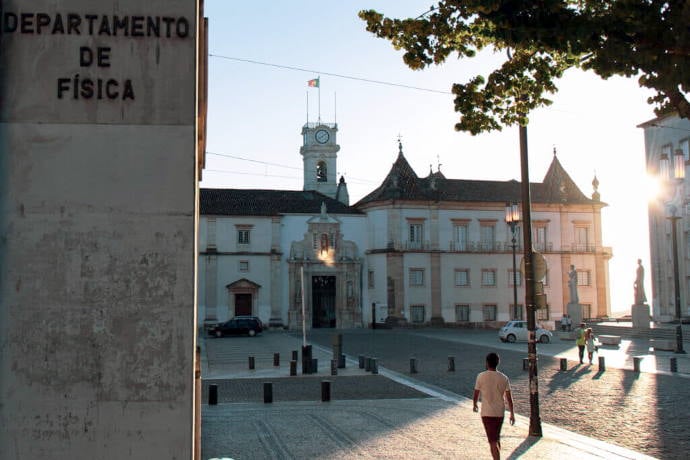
(243,304)
(323,301)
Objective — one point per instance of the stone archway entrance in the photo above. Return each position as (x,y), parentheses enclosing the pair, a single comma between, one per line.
(323,301)
(243,294)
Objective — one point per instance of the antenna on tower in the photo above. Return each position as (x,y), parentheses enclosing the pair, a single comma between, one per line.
(307,107)
(335,108)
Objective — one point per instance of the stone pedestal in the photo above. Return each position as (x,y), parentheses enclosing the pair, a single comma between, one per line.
(640,316)
(575,313)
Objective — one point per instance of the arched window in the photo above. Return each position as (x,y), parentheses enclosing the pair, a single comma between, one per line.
(321,173)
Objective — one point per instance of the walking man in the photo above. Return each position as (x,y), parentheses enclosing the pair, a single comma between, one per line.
(494,388)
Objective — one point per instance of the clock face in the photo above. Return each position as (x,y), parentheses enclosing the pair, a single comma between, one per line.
(322,136)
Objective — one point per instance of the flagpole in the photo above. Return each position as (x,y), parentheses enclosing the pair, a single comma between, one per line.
(335,108)
(307,107)
(319,86)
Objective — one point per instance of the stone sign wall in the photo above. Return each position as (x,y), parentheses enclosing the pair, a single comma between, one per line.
(98,141)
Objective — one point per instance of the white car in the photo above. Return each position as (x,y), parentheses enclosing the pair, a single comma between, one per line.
(517,330)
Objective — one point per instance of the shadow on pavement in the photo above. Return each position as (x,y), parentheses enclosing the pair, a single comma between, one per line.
(522,449)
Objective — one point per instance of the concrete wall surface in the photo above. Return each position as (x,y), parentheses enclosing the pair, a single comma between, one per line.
(98,214)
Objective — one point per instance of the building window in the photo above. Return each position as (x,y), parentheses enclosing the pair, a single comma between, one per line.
(462,277)
(487,237)
(370,279)
(542,314)
(488,277)
(540,243)
(417,313)
(584,278)
(416,277)
(489,312)
(416,235)
(514,275)
(581,238)
(516,312)
(243,235)
(684,145)
(462,313)
(244,265)
(460,237)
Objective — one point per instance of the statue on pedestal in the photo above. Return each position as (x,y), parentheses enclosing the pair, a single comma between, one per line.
(638,285)
(572,285)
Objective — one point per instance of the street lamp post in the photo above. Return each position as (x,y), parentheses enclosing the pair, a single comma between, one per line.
(513,219)
(679,175)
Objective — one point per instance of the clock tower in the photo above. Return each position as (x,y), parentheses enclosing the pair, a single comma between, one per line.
(320,153)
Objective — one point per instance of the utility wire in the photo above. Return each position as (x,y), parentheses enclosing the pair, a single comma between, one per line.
(330,74)
(267,163)
(227,155)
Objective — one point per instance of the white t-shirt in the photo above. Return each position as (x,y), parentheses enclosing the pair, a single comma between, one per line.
(492,386)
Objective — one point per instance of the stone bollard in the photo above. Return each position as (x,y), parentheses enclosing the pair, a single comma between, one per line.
(674,365)
(636,363)
(251,363)
(361,361)
(325,390)
(374,366)
(564,364)
(334,367)
(525,364)
(413,365)
(268,392)
(212,394)
(602,363)
(451,364)
(295,357)
(293,367)
(276,359)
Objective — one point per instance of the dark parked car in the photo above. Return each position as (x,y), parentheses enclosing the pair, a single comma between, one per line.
(239,325)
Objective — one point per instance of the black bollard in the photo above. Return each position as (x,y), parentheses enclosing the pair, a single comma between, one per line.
(268,392)
(602,363)
(306,360)
(334,367)
(293,367)
(564,364)
(341,361)
(374,366)
(251,362)
(276,359)
(325,390)
(525,364)
(413,365)
(212,394)
(314,366)
(361,361)
(294,355)
(367,363)
(451,364)
(674,365)
(636,363)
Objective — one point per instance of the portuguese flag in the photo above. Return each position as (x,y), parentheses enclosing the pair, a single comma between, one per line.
(313,83)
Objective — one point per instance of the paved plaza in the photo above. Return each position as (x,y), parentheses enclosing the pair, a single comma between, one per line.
(586,412)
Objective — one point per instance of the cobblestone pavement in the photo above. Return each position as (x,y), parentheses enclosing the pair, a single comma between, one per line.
(645,412)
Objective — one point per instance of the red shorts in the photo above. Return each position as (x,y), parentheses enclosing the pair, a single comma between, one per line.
(492,426)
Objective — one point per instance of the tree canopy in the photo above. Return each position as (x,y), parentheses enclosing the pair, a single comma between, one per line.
(647,39)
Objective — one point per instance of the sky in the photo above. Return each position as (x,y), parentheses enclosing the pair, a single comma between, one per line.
(262,53)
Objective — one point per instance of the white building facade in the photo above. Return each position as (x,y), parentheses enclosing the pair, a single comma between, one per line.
(416,250)
(668,137)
